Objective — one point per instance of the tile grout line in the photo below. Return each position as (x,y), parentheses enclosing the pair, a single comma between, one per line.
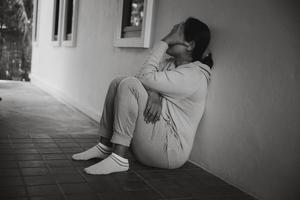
(49,170)
(19,168)
(77,170)
(151,186)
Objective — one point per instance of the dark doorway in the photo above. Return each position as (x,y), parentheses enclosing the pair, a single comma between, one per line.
(15,39)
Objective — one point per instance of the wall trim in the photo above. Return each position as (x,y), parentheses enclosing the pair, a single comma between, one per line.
(63,98)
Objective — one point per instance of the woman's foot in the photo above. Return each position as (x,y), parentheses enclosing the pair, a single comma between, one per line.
(98,151)
(113,163)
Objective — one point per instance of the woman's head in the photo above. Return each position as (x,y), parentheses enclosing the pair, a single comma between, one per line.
(197,36)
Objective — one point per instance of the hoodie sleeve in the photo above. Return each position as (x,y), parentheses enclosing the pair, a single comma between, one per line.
(155,60)
(180,82)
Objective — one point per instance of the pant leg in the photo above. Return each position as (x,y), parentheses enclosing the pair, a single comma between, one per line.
(106,121)
(149,141)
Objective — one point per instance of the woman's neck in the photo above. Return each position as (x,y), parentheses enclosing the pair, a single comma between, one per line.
(182,60)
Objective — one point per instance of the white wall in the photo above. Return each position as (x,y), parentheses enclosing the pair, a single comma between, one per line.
(249,134)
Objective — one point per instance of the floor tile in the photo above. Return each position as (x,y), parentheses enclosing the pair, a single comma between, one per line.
(23,145)
(31,163)
(63,170)
(46,145)
(144,195)
(12,192)
(8,164)
(70,178)
(6,150)
(28,157)
(48,197)
(64,140)
(58,163)
(10,181)
(25,151)
(9,172)
(35,171)
(49,150)
(76,188)
(42,140)
(43,190)
(72,149)
(21,140)
(39,136)
(19,136)
(5,157)
(39,180)
(68,145)
(82,197)
(54,156)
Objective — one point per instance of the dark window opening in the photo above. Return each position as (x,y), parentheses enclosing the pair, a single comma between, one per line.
(69,19)
(36,20)
(132,19)
(56,19)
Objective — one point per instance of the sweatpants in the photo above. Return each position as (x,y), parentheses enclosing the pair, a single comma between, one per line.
(123,123)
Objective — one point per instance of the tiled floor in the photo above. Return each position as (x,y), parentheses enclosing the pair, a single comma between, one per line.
(38,135)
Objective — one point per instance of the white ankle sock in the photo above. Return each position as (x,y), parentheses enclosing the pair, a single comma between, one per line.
(113,163)
(98,151)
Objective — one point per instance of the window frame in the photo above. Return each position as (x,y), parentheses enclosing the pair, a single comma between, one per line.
(57,43)
(35,22)
(145,40)
(72,42)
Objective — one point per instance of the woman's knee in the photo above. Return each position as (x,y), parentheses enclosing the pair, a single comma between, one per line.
(131,83)
(116,81)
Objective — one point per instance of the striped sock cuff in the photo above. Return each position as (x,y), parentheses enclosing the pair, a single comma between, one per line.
(122,162)
(102,150)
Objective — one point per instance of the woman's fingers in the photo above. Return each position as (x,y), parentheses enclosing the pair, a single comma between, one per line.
(148,106)
(158,114)
(149,113)
(153,114)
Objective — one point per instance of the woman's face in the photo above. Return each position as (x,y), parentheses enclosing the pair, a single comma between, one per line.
(177,49)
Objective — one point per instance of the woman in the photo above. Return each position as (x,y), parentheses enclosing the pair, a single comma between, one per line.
(169,91)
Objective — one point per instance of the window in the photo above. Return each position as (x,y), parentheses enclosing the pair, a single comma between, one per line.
(134,28)
(56,25)
(70,22)
(132,19)
(35,31)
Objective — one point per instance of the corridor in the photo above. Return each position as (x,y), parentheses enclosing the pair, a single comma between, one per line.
(38,135)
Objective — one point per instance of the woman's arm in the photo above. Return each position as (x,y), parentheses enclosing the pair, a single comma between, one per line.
(153,107)
(154,60)
(177,82)
(174,83)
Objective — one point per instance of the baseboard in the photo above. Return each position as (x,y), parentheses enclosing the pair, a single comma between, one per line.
(62,97)
(227,181)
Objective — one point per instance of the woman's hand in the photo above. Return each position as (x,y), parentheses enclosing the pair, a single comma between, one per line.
(176,36)
(153,108)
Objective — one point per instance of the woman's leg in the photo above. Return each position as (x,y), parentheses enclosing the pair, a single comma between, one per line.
(149,139)
(103,149)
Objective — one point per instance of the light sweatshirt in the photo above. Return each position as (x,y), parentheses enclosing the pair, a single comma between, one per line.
(183,89)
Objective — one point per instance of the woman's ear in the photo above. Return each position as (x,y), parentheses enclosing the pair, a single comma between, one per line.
(191,46)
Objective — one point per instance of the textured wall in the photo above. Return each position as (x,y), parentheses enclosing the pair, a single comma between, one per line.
(250,132)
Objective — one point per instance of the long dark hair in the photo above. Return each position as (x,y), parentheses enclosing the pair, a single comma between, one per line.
(197,31)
